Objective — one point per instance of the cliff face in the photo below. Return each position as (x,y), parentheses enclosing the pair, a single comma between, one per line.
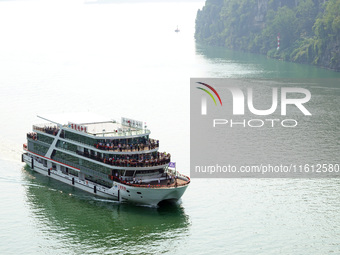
(309,30)
(261,11)
(331,56)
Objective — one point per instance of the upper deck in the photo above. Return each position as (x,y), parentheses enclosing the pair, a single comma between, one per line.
(98,128)
(113,129)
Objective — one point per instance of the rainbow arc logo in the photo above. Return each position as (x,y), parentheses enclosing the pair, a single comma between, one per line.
(204,100)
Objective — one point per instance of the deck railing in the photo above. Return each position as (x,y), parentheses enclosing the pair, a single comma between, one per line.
(115,133)
(47,129)
(150,145)
(174,182)
(128,162)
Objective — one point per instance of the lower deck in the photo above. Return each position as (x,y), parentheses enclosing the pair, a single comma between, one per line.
(165,182)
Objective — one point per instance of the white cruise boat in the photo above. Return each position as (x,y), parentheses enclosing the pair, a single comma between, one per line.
(108,159)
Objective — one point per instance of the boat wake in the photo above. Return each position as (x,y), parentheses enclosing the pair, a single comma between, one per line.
(105,200)
(17,180)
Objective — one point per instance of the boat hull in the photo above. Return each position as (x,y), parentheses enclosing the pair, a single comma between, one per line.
(118,192)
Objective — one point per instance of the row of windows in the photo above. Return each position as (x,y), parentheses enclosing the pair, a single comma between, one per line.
(99,168)
(73,172)
(79,138)
(44,138)
(67,146)
(81,162)
(92,141)
(67,157)
(129,156)
(99,181)
(90,176)
(37,148)
(134,140)
(74,148)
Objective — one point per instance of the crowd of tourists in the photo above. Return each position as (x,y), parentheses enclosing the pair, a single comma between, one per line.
(148,145)
(170,179)
(32,135)
(49,130)
(161,158)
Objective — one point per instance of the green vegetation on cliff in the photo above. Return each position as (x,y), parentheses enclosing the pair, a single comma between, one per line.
(309,29)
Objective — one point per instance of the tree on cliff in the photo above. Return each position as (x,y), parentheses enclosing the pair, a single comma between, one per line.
(309,29)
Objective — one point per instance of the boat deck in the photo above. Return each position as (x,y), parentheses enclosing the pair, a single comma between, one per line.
(107,127)
(167,183)
(164,183)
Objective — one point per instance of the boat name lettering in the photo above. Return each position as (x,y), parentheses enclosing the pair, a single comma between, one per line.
(132,123)
(121,187)
(77,127)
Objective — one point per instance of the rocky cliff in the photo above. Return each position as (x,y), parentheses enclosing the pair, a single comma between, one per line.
(308,30)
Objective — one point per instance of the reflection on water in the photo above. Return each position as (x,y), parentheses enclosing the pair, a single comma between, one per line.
(74,217)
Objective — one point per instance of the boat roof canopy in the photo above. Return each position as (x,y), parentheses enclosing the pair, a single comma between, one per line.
(95,124)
